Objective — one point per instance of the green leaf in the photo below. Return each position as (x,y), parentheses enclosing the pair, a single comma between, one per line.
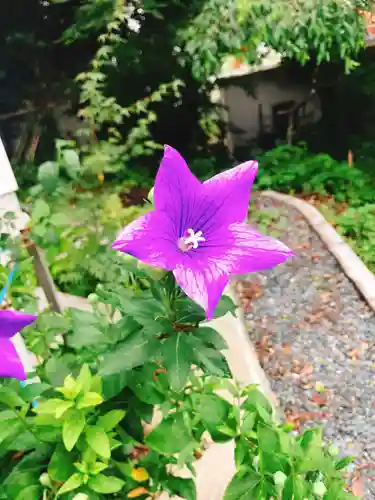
(184,488)
(269,449)
(177,359)
(133,351)
(295,487)
(18,482)
(58,368)
(170,436)
(344,462)
(86,330)
(85,378)
(148,384)
(71,163)
(212,409)
(50,406)
(32,492)
(10,398)
(32,391)
(242,486)
(40,211)
(111,419)
(98,440)
(113,384)
(241,452)
(211,337)
(74,482)
(89,399)
(225,305)
(71,387)
(72,428)
(60,467)
(106,484)
(210,360)
(257,402)
(60,220)
(248,423)
(62,407)
(48,176)
(312,445)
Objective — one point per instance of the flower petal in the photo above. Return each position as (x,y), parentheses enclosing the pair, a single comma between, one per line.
(176,189)
(228,194)
(152,239)
(11,365)
(252,251)
(12,322)
(202,282)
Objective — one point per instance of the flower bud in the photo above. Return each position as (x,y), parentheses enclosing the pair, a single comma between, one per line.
(150,196)
(279,477)
(81,496)
(93,298)
(333,450)
(319,489)
(45,480)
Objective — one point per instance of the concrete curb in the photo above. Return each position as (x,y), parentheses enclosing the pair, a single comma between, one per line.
(352,265)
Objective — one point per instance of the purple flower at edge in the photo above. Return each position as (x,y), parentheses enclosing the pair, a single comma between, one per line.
(197,230)
(11,322)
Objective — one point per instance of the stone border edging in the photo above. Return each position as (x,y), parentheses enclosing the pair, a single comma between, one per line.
(352,265)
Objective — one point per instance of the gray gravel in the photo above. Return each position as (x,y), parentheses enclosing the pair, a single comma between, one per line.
(315,338)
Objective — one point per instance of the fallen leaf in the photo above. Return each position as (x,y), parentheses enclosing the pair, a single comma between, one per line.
(315,257)
(354,354)
(319,399)
(357,486)
(298,419)
(307,370)
(287,348)
(319,386)
(325,296)
(304,245)
(315,318)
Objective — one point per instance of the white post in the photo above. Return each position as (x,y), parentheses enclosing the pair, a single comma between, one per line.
(9,203)
(8,198)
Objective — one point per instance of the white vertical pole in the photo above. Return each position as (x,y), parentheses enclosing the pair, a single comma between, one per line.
(9,203)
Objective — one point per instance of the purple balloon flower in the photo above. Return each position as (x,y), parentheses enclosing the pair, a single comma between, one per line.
(197,230)
(11,322)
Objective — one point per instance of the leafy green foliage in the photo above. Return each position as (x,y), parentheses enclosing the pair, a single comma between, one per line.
(144,352)
(331,30)
(74,217)
(357,225)
(321,30)
(293,169)
(344,194)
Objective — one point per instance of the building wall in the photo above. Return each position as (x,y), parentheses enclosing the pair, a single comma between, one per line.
(249,102)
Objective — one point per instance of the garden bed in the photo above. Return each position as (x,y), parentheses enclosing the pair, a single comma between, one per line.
(314,337)
(216,468)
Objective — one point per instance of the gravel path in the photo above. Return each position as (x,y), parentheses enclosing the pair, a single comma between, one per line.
(315,337)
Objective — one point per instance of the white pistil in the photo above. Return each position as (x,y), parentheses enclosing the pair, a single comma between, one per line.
(194,238)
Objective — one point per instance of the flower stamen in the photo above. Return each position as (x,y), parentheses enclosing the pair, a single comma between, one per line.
(192,241)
